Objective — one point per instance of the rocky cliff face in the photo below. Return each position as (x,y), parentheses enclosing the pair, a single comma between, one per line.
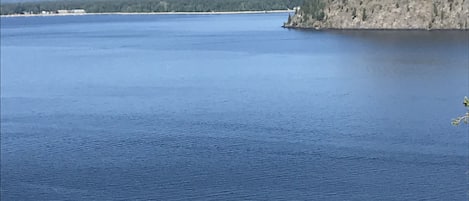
(384,14)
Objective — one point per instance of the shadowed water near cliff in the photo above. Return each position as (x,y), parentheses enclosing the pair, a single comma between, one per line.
(228,107)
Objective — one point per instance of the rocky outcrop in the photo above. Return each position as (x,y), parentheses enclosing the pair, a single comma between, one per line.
(384,14)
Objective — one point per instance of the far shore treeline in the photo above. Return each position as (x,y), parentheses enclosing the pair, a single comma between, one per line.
(106,6)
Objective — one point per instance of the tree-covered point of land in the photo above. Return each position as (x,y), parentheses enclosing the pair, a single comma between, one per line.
(101,6)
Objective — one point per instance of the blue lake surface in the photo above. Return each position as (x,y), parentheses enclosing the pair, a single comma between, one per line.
(229,107)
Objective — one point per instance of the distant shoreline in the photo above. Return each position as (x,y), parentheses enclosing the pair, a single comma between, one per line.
(152,13)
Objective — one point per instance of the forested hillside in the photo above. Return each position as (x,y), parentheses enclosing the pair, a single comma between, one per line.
(381,14)
(100,6)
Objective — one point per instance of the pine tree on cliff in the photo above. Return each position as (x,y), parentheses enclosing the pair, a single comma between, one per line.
(314,8)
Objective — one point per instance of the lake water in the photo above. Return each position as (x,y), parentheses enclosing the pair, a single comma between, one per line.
(229,107)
